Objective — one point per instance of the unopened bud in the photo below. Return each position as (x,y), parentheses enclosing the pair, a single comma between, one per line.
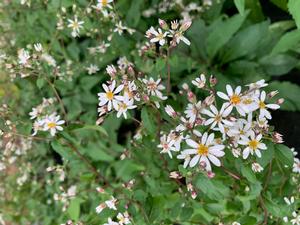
(210,174)
(186,25)
(185,86)
(130,71)
(277,138)
(213,80)
(194,194)
(170,111)
(209,100)
(146,98)
(175,175)
(280,101)
(163,24)
(191,96)
(100,190)
(202,164)
(272,94)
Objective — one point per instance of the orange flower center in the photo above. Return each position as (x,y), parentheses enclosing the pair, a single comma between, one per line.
(253,144)
(262,105)
(110,95)
(235,99)
(202,150)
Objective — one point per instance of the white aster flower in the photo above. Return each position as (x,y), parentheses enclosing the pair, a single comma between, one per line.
(199,82)
(100,208)
(257,84)
(111,203)
(23,56)
(53,123)
(218,117)
(263,107)
(110,96)
(154,88)
(124,105)
(186,157)
(92,69)
(192,111)
(75,25)
(123,218)
(166,145)
(111,222)
(38,47)
(104,3)
(296,165)
(178,36)
(256,167)
(159,36)
(296,219)
(253,145)
(235,99)
(205,151)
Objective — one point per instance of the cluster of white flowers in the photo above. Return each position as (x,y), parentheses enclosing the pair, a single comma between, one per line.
(295,220)
(65,196)
(240,125)
(175,33)
(45,118)
(123,218)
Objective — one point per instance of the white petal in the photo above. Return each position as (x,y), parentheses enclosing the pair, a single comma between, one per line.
(222,95)
(272,106)
(204,137)
(210,139)
(214,160)
(192,143)
(194,160)
(229,90)
(246,153)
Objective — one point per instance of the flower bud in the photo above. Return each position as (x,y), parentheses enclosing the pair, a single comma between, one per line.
(280,101)
(194,194)
(175,175)
(272,94)
(209,100)
(163,24)
(277,138)
(185,86)
(174,25)
(186,25)
(170,111)
(210,174)
(202,165)
(213,80)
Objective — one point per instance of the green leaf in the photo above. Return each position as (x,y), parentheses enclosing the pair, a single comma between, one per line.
(160,64)
(267,156)
(74,209)
(245,41)
(100,129)
(240,5)
(126,169)
(288,41)
(40,82)
(278,64)
(148,121)
(294,8)
(134,13)
(221,35)
(281,4)
(248,173)
(284,155)
(65,152)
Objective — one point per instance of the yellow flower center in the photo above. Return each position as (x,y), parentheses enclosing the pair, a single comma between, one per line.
(218,118)
(152,86)
(104,2)
(262,105)
(160,36)
(235,99)
(51,125)
(253,144)
(202,150)
(110,95)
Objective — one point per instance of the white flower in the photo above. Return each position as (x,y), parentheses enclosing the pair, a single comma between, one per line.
(123,106)
(111,203)
(48,59)
(296,165)
(23,56)
(253,145)
(167,145)
(123,218)
(109,97)
(111,222)
(170,111)
(192,111)
(158,36)
(289,201)
(263,112)
(256,167)
(257,84)
(92,69)
(236,152)
(176,137)
(53,123)
(285,219)
(75,25)
(296,219)
(205,151)
(154,88)
(186,157)
(234,98)
(178,36)
(199,82)
(100,207)
(119,28)
(104,3)
(111,70)
(218,117)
